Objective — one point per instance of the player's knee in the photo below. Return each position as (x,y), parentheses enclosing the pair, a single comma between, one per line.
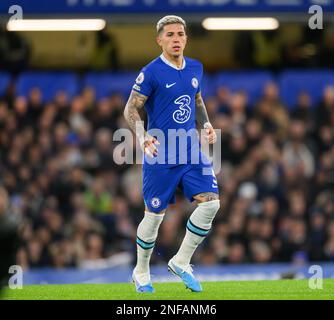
(211,206)
(148,228)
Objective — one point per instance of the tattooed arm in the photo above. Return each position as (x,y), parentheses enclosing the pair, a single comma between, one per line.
(203,119)
(136,102)
(201,114)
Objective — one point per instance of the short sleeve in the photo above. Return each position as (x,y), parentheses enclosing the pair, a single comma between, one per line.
(200,79)
(144,83)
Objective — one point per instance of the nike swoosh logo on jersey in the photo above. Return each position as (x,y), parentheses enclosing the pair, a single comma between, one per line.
(170,85)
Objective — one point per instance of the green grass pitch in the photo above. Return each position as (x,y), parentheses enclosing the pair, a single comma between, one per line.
(227,290)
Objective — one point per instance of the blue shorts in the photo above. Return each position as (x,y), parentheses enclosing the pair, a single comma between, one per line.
(159,186)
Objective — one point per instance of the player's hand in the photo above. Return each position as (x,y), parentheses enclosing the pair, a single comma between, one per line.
(210,133)
(148,145)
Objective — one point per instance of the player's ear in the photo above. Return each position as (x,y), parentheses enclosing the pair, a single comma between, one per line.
(159,40)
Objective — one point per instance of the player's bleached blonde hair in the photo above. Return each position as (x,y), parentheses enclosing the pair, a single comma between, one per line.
(169,20)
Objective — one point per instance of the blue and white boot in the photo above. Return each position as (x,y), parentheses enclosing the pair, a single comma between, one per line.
(186,275)
(142,282)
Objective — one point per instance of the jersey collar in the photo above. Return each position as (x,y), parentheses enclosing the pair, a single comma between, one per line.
(162,57)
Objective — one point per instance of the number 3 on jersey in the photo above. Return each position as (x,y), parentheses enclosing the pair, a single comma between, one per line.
(182,115)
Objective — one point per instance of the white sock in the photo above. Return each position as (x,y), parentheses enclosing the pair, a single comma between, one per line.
(146,235)
(198,226)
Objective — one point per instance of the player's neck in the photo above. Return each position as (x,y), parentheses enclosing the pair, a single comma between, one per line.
(176,61)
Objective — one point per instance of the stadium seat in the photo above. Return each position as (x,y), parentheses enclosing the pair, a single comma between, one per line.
(4,82)
(207,88)
(106,83)
(50,83)
(293,82)
(253,82)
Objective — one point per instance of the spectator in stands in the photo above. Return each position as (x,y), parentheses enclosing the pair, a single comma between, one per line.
(261,49)
(106,51)
(329,246)
(260,251)
(317,235)
(267,49)
(223,98)
(303,111)
(298,160)
(272,113)
(14,51)
(325,110)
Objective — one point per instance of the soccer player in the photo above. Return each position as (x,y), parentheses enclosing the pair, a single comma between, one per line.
(169,89)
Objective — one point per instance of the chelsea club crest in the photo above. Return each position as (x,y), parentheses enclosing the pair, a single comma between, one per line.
(155,202)
(194,83)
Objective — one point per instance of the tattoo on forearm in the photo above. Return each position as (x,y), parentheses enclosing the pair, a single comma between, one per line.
(201,114)
(136,102)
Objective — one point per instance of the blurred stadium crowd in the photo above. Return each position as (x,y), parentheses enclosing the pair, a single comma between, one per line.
(79,208)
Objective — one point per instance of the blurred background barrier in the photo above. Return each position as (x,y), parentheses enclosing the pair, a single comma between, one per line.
(291,84)
(48,83)
(160,274)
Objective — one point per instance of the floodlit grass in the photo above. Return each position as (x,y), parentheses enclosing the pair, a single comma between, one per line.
(227,290)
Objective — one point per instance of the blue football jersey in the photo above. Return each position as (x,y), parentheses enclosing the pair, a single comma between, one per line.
(171,109)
